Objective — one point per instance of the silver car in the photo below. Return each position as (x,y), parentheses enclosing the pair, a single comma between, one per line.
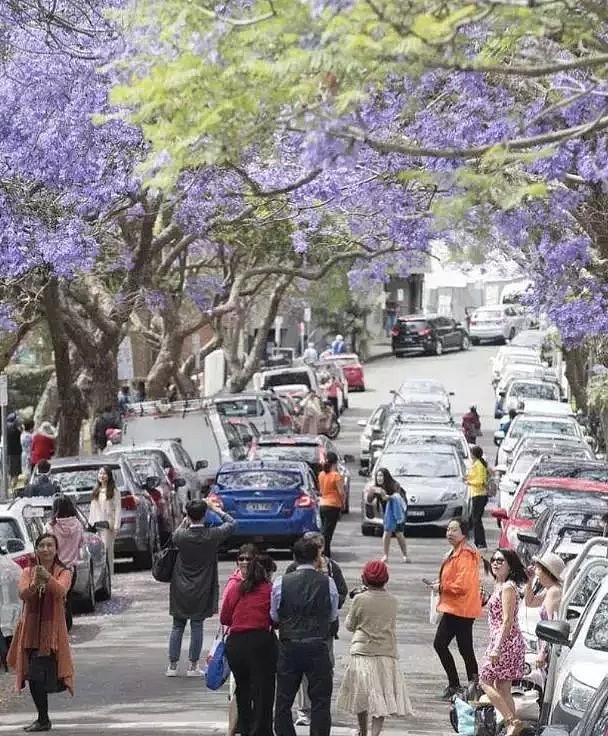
(10,603)
(433,478)
(499,323)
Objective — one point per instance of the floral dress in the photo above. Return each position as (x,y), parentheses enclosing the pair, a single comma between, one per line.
(510,665)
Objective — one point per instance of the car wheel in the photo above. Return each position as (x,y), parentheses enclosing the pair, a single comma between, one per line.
(502,340)
(465,343)
(105,592)
(88,602)
(399,355)
(512,333)
(438,349)
(474,341)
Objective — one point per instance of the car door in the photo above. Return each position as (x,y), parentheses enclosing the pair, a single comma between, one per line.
(444,331)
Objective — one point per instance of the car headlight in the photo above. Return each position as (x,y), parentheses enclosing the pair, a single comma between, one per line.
(576,695)
(450,496)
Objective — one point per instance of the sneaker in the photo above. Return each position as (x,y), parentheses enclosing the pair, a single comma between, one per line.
(172,670)
(449,692)
(194,672)
(407,559)
(302,719)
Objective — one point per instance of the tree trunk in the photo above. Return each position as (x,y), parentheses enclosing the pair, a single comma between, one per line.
(576,373)
(48,404)
(100,381)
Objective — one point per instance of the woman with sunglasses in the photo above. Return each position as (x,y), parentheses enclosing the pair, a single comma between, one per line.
(505,655)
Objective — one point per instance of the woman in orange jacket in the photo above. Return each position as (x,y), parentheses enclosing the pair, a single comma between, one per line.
(459,588)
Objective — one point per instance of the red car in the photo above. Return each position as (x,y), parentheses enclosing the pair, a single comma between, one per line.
(351,365)
(536,494)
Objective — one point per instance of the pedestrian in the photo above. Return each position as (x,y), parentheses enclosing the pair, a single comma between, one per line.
(13,448)
(141,394)
(505,655)
(312,410)
(310,355)
(67,528)
(105,511)
(459,589)
(477,480)
(107,419)
(338,346)
(124,399)
(40,649)
(42,483)
(471,425)
(505,426)
(331,488)
(251,647)
(303,605)
(547,572)
(331,568)
(194,588)
(373,686)
(386,491)
(43,443)
(26,448)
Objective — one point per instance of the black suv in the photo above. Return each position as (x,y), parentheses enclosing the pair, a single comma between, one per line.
(431,334)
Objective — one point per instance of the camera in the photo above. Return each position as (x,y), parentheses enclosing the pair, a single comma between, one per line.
(356,591)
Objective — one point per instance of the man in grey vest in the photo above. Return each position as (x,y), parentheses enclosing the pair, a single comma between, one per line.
(304,604)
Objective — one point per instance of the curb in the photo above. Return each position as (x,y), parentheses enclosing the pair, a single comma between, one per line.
(378,356)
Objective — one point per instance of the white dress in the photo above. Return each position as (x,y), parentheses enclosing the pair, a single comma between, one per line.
(104,509)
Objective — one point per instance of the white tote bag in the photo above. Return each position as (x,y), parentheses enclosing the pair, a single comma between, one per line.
(434,614)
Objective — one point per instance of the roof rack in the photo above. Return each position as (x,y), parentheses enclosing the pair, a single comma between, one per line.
(163,407)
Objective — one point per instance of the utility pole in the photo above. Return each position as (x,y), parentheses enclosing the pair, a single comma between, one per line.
(3,405)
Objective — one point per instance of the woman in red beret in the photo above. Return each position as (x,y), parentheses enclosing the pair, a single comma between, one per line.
(373,686)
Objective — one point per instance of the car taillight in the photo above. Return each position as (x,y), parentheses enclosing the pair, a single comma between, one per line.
(129,502)
(305,502)
(26,560)
(425,332)
(395,332)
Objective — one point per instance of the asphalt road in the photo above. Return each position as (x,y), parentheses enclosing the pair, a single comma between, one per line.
(121,650)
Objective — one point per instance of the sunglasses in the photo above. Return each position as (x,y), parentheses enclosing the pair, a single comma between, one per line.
(497,560)
(244,558)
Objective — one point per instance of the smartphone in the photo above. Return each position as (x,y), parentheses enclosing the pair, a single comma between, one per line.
(426,581)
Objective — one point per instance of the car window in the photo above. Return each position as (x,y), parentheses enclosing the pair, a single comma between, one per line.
(523,462)
(415,325)
(183,457)
(547,391)
(271,480)
(292,378)
(239,408)
(35,527)
(597,633)
(536,499)
(78,480)
(600,727)
(557,470)
(9,529)
(303,453)
(587,583)
(159,455)
(421,465)
(522,426)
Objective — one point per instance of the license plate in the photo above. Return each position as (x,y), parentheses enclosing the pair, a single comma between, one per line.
(416,514)
(259,507)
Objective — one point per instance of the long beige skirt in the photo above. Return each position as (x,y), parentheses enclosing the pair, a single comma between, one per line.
(374,685)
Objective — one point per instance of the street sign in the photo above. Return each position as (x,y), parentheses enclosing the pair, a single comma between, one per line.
(400,295)
(307,314)
(3,389)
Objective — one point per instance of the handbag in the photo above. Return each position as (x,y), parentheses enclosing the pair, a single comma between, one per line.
(462,717)
(218,669)
(434,614)
(485,721)
(42,669)
(163,562)
(3,652)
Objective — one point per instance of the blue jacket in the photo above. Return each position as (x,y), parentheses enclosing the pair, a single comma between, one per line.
(395,512)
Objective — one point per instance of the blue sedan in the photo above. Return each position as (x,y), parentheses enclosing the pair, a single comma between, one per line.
(273,503)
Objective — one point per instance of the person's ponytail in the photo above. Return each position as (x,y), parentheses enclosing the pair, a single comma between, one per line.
(255,575)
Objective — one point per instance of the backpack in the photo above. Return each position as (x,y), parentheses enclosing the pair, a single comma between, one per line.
(491,486)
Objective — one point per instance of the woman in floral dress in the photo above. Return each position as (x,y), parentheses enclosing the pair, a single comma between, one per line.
(505,655)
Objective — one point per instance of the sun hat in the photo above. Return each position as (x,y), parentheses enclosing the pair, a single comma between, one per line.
(552,563)
(375,573)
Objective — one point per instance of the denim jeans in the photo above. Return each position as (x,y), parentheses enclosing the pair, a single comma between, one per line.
(196,639)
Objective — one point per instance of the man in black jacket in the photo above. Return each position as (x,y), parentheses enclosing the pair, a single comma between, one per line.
(42,485)
(331,568)
(304,604)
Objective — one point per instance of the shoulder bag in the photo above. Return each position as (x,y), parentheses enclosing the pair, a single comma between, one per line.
(163,562)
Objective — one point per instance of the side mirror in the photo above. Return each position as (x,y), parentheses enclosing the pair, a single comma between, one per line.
(364,472)
(502,469)
(498,437)
(529,537)
(502,394)
(152,482)
(361,423)
(500,514)
(554,632)
(179,482)
(201,464)
(14,545)
(348,458)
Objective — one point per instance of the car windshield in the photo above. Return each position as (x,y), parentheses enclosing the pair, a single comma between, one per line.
(588,518)
(237,407)
(529,339)
(144,468)
(421,387)
(302,453)
(599,474)
(522,426)
(157,454)
(414,325)
(536,499)
(488,314)
(353,360)
(291,378)
(547,391)
(417,438)
(79,480)
(523,462)
(597,634)
(9,529)
(421,465)
(270,480)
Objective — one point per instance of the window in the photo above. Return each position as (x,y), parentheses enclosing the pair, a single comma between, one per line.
(586,586)
(268,480)
(303,453)
(547,391)
(597,633)
(291,378)
(9,529)
(522,426)
(537,499)
(239,408)
(183,458)
(81,480)
(421,465)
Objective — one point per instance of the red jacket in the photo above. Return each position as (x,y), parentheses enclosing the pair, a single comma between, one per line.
(43,448)
(246,612)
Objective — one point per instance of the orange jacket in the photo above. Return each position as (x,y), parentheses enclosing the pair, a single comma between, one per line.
(460,583)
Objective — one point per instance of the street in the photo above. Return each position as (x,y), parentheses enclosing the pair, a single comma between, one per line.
(120,652)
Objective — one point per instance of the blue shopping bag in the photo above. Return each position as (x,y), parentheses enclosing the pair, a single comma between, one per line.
(218,670)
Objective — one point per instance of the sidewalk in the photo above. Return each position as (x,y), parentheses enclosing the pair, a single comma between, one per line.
(378,348)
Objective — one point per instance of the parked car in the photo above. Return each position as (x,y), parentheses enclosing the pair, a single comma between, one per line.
(10,573)
(93,578)
(425,389)
(255,407)
(296,380)
(424,434)
(509,355)
(352,367)
(431,334)
(537,494)
(308,449)
(433,480)
(499,323)
(373,428)
(594,721)
(273,503)
(537,340)
(138,536)
(522,389)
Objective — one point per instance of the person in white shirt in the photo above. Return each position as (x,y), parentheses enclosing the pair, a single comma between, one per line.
(105,507)
(310,355)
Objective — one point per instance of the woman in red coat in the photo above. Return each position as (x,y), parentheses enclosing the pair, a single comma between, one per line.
(43,443)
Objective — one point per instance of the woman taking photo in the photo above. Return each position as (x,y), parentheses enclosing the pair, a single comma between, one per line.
(40,650)
(373,687)
(251,647)
(387,492)
(331,487)
(547,572)
(105,508)
(67,528)
(477,480)
(505,655)
(459,589)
